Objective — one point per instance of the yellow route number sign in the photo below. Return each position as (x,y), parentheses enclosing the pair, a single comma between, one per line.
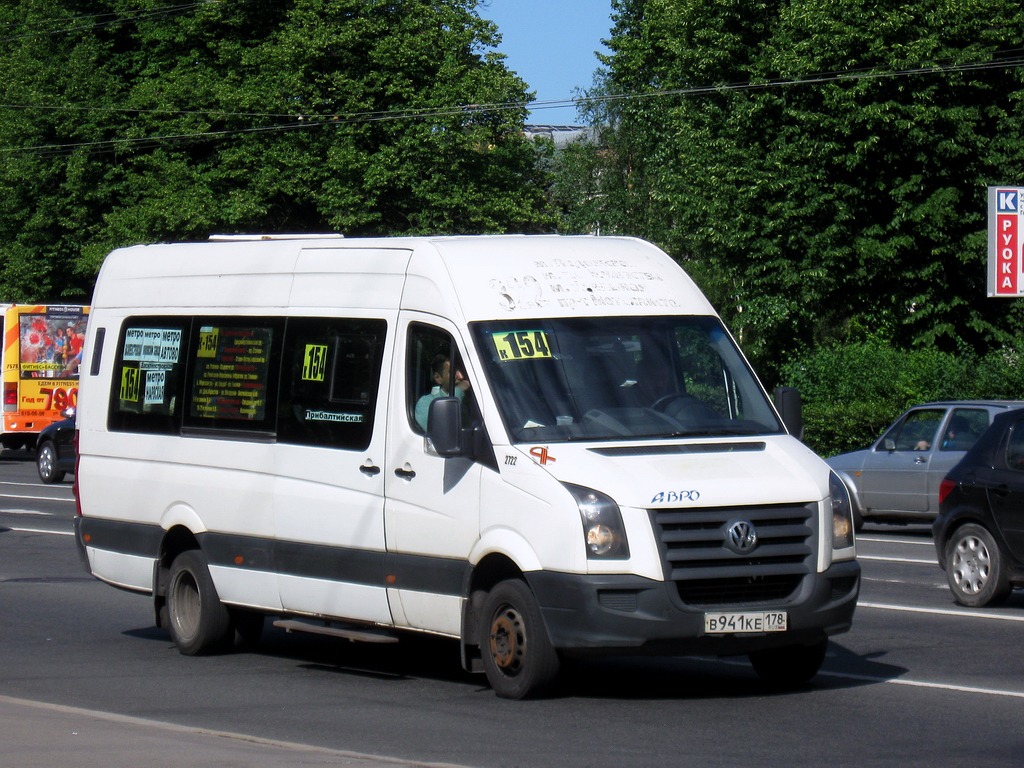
(521,345)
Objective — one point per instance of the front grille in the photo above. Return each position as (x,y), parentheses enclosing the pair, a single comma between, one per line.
(706,572)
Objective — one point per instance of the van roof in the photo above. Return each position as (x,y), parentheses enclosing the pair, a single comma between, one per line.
(481,276)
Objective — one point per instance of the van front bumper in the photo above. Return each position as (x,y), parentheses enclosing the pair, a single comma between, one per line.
(630,614)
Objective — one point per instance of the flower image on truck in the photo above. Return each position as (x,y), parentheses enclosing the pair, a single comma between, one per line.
(542,447)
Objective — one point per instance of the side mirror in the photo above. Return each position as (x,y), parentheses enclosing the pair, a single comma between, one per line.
(791,409)
(889,444)
(444,426)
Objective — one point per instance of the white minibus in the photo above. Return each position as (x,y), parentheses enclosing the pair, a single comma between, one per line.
(538,446)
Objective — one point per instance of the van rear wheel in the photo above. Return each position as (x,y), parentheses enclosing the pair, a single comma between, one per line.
(518,656)
(198,621)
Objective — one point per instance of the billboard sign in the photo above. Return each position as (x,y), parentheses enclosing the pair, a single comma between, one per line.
(1005,233)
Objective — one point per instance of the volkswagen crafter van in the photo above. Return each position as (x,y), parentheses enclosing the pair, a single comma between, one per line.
(540,446)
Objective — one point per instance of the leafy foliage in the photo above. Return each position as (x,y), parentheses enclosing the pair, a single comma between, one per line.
(852,392)
(820,168)
(128,121)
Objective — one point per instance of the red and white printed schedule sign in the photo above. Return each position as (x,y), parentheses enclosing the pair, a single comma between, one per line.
(1005,229)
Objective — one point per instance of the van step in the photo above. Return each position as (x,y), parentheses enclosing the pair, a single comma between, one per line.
(359,635)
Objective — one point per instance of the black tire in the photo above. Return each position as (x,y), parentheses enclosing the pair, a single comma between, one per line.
(974,567)
(46,463)
(518,656)
(790,666)
(197,620)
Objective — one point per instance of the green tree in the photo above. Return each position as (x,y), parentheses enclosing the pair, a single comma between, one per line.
(819,167)
(127,121)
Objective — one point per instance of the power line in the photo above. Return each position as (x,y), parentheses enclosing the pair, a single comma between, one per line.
(47,27)
(318,121)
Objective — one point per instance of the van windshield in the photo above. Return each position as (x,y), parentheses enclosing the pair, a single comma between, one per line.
(618,378)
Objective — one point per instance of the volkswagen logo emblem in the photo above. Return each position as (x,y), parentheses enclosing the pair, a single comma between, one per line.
(741,537)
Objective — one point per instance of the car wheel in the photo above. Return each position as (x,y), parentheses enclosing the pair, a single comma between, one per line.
(518,656)
(46,464)
(198,621)
(790,666)
(974,567)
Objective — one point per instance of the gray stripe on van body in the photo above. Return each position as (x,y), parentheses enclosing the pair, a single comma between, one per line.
(345,565)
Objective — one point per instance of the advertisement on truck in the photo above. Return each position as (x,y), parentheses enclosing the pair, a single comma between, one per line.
(42,349)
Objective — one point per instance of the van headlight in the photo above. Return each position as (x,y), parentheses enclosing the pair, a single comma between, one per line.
(603,531)
(842,512)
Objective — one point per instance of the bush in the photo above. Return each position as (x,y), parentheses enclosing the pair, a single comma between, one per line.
(852,392)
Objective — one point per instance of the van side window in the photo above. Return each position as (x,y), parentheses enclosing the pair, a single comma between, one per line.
(148,374)
(429,355)
(330,377)
(232,369)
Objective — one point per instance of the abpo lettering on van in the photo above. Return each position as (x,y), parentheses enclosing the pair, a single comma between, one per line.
(674,497)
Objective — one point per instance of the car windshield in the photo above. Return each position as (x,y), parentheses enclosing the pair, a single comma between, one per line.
(620,378)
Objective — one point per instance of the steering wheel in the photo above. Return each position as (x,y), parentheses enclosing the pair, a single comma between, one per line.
(662,403)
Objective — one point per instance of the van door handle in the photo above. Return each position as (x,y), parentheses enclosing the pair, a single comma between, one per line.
(370,469)
(405,474)
(920,460)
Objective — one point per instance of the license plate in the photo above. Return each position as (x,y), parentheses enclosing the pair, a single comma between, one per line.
(756,621)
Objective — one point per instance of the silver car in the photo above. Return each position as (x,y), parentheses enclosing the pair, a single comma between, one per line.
(897,479)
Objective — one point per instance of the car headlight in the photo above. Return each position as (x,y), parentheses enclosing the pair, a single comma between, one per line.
(603,531)
(842,512)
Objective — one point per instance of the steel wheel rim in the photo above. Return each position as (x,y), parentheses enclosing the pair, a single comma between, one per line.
(507,640)
(185,605)
(971,565)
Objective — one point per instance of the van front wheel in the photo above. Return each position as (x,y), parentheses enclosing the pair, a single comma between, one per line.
(518,656)
(198,621)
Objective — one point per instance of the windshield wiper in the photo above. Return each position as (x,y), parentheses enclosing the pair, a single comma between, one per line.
(718,432)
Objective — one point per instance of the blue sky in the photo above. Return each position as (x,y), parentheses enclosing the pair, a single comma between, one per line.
(551,44)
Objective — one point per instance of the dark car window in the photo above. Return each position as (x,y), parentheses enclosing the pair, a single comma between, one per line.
(964,429)
(1015,447)
(917,431)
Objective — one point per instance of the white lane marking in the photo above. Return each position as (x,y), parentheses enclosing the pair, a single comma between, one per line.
(31,512)
(923,684)
(40,530)
(901,681)
(910,560)
(943,612)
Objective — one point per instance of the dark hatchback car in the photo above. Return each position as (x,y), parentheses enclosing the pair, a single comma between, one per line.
(979,532)
(55,449)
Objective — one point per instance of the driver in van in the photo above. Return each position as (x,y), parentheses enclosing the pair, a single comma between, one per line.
(444,386)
